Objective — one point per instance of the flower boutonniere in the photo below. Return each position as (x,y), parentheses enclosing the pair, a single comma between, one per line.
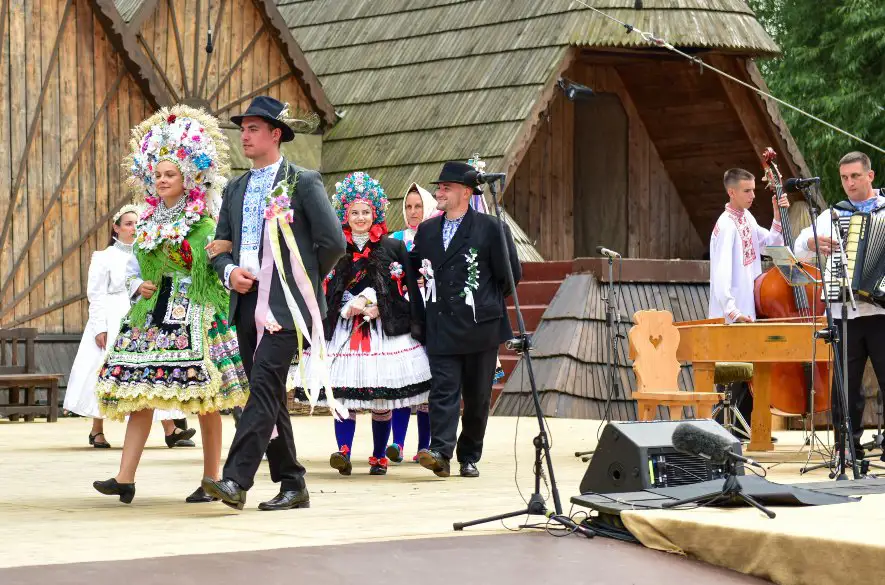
(472,283)
(397,274)
(278,203)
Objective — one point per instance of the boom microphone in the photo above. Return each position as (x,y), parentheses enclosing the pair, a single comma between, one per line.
(797,184)
(484,178)
(693,440)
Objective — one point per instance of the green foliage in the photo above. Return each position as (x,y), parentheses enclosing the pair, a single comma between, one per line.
(834,68)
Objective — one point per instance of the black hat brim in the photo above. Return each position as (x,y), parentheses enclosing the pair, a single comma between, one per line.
(288,133)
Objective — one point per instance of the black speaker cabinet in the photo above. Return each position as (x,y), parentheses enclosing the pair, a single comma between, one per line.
(633,456)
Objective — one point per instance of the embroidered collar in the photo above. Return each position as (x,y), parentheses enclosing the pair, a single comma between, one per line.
(735,213)
(268,170)
(121,246)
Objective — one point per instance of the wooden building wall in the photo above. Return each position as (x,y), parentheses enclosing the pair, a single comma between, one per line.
(246,61)
(67,103)
(592,176)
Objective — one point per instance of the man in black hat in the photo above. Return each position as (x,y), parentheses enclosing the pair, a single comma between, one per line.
(460,256)
(320,243)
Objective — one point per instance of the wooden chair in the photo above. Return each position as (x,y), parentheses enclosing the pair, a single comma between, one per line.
(653,343)
(19,376)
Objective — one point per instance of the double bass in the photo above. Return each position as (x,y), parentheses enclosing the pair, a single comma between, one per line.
(776,299)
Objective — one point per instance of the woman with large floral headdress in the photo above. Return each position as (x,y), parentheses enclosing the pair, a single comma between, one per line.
(175,349)
(376,365)
(108,304)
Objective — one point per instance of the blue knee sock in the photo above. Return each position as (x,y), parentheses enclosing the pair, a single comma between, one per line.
(380,433)
(344,431)
(401,418)
(423,430)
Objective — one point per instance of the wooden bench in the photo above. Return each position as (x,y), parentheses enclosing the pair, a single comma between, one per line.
(653,343)
(22,380)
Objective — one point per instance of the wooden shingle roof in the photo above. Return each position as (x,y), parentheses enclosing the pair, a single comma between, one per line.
(569,359)
(419,82)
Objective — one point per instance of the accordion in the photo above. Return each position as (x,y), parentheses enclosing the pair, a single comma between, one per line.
(863,235)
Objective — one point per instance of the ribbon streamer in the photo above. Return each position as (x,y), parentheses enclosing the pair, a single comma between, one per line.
(318,377)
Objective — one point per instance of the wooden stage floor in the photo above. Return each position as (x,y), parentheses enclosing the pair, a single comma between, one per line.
(50,514)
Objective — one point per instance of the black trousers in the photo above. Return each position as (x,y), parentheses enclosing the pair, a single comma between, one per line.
(467,376)
(266,407)
(866,340)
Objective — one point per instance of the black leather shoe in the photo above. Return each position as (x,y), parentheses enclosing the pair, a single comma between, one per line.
(199,496)
(287,500)
(110,487)
(226,490)
(468,469)
(178,439)
(435,462)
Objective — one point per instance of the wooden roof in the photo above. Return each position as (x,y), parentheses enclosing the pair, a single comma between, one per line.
(569,359)
(419,82)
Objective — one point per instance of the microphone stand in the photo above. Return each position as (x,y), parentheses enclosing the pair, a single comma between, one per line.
(840,386)
(613,334)
(536,504)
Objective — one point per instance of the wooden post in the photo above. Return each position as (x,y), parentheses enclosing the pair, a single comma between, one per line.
(760,431)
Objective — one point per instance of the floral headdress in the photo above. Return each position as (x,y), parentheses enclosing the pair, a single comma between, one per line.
(359,187)
(128,208)
(189,138)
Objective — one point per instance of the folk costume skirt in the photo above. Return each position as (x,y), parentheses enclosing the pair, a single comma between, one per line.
(184,357)
(370,370)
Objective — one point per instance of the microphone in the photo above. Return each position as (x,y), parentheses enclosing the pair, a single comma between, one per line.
(693,440)
(607,252)
(797,184)
(210,46)
(484,178)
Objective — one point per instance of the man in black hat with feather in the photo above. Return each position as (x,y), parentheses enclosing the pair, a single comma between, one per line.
(464,320)
(262,311)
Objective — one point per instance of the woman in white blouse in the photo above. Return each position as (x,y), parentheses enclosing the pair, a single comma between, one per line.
(108,304)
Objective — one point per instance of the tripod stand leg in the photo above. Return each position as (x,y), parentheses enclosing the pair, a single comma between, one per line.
(750,500)
(536,506)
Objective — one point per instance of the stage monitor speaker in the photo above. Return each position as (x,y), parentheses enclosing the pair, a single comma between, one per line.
(634,456)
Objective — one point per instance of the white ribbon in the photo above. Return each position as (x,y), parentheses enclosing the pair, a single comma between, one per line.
(468,298)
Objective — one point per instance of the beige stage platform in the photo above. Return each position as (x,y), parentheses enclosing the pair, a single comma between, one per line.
(49,513)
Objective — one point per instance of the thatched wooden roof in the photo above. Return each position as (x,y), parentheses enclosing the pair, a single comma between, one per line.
(569,361)
(419,82)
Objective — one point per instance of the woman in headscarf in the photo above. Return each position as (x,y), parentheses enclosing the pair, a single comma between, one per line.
(175,350)
(376,364)
(418,205)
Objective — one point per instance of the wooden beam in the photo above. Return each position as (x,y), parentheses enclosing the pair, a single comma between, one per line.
(747,112)
(197,48)
(257,91)
(158,68)
(202,87)
(23,163)
(178,45)
(48,309)
(243,55)
(144,11)
(67,252)
(4,9)
(56,195)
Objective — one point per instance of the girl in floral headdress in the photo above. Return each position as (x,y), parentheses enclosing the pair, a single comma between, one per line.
(175,350)
(376,365)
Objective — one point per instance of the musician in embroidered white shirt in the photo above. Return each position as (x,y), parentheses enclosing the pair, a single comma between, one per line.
(736,248)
